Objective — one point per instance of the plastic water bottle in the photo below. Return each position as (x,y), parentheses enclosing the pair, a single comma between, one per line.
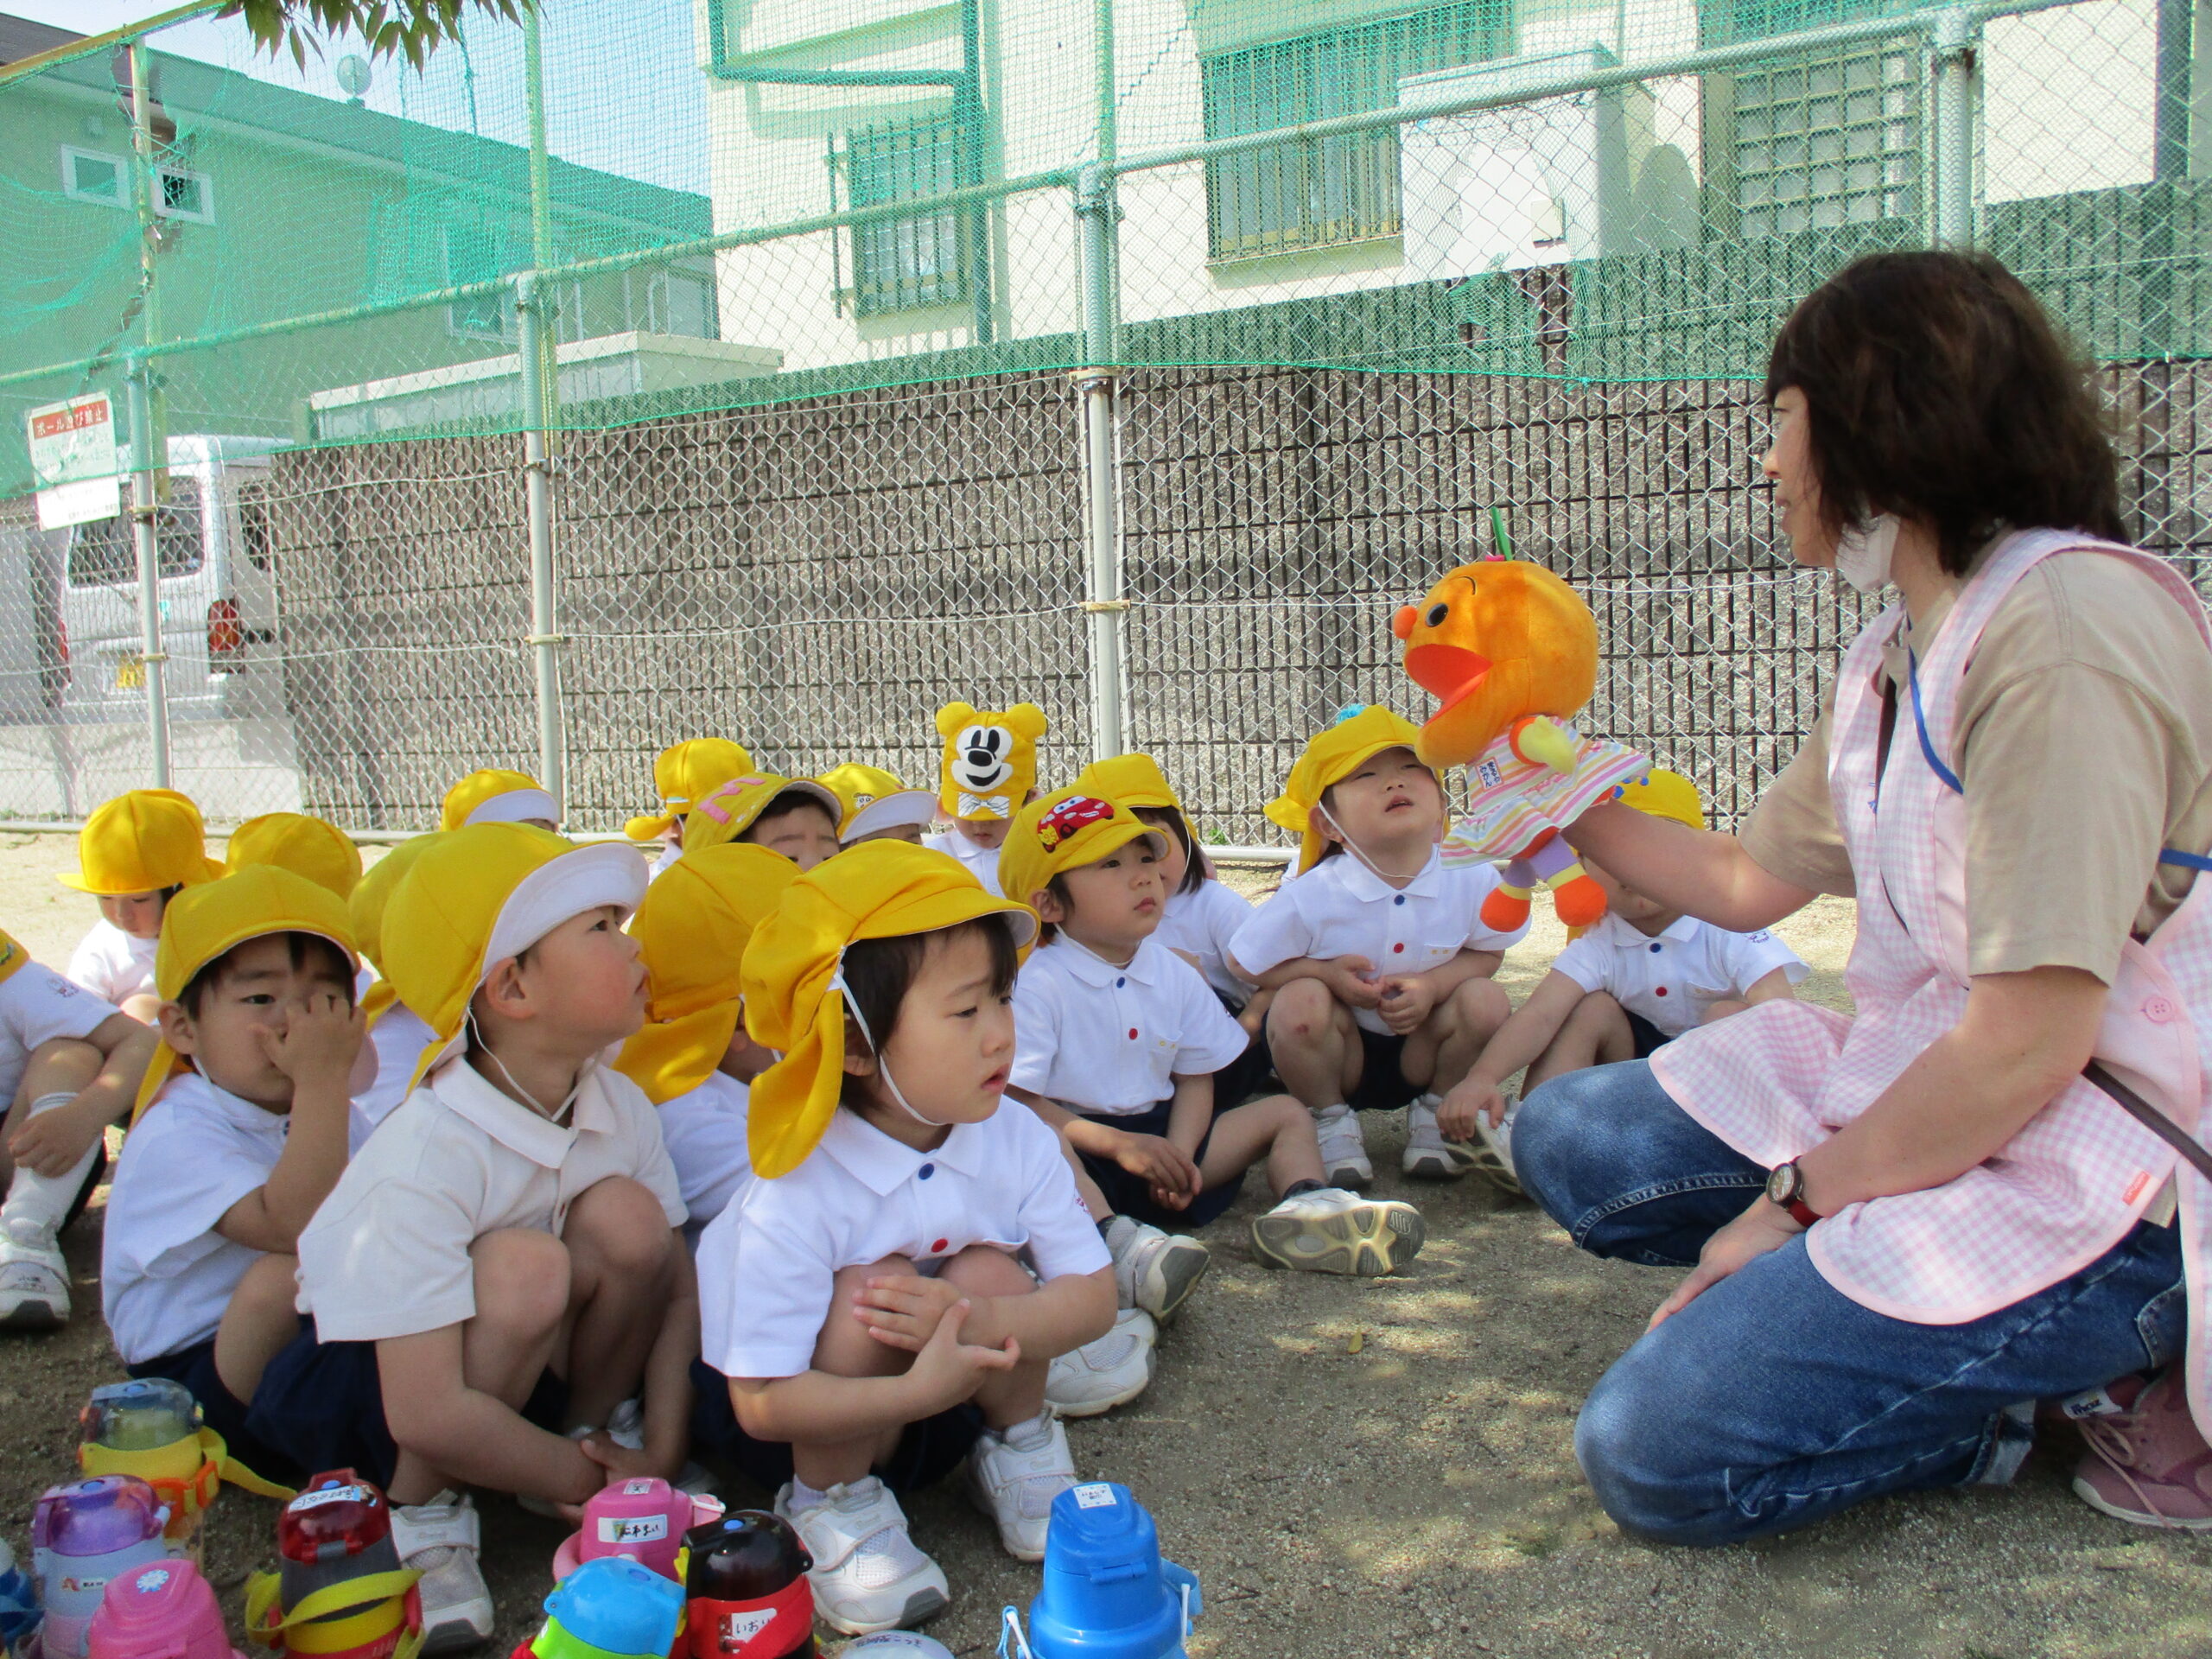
(337,1532)
(643,1519)
(1107,1592)
(748,1590)
(83,1535)
(149,1428)
(20,1613)
(612,1606)
(166,1611)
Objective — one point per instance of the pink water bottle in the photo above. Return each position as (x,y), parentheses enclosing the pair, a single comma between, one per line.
(643,1519)
(161,1610)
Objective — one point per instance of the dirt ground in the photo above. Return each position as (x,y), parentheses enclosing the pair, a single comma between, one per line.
(1375,1468)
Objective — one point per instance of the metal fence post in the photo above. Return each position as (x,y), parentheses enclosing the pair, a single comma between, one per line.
(1953,48)
(1098,382)
(545,638)
(145,461)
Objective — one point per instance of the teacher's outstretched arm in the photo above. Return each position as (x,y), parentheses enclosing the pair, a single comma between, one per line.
(1699,871)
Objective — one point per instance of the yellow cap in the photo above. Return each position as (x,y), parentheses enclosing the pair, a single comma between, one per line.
(495,795)
(480,894)
(367,904)
(693,927)
(1135,781)
(12,956)
(1666,794)
(989,763)
(1331,755)
(880,890)
(684,775)
(1066,830)
(874,800)
(206,920)
(142,841)
(729,811)
(306,846)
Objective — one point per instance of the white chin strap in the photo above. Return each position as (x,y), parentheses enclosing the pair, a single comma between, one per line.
(1352,847)
(882,1061)
(555,1115)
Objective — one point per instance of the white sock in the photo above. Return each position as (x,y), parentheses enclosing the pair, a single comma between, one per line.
(43,1201)
(1118,1231)
(1023,1435)
(803,1496)
(1430,1101)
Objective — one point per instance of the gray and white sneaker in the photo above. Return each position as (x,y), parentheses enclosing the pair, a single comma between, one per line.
(868,1575)
(1153,1270)
(34,1277)
(1331,1230)
(1344,1149)
(1110,1371)
(1494,1153)
(1013,1477)
(441,1540)
(1428,1155)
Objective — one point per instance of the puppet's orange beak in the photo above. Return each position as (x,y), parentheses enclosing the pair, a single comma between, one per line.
(1449,673)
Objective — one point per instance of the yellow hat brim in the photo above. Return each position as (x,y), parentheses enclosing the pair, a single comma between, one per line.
(210,870)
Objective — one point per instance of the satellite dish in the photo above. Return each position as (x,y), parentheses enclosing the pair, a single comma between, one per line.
(353,73)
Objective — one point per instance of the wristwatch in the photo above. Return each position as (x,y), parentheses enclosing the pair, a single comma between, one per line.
(1785,1185)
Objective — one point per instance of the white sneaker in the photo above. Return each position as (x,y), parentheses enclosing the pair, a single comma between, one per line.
(1109,1372)
(868,1575)
(1331,1230)
(1155,1270)
(441,1540)
(1013,1478)
(1494,1156)
(1429,1156)
(1344,1149)
(34,1277)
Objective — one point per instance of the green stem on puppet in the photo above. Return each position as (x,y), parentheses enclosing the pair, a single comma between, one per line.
(1501,543)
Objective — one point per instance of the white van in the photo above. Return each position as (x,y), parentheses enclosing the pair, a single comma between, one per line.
(218,588)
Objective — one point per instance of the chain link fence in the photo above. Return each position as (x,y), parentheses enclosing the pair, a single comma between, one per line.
(1133,359)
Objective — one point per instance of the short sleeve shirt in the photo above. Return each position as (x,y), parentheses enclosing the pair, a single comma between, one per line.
(767,1264)
(1101,1038)
(387,1255)
(111,963)
(1200,924)
(705,1131)
(1671,980)
(1341,908)
(982,862)
(37,1007)
(399,1037)
(166,1275)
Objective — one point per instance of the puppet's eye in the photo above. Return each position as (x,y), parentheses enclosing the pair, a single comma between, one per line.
(1436,614)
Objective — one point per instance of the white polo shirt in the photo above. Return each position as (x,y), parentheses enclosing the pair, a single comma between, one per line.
(36,1007)
(166,1275)
(982,862)
(704,1130)
(1673,979)
(1102,1038)
(1341,908)
(387,1255)
(399,1036)
(768,1263)
(110,962)
(1201,924)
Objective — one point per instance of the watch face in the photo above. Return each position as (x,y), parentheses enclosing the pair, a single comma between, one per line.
(1782,1183)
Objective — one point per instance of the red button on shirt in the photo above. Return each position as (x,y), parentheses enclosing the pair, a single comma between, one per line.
(1662,991)
(1397,947)
(1133,1033)
(940,1247)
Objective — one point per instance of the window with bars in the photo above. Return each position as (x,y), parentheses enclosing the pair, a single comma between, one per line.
(1332,190)
(1822,143)
(902,265)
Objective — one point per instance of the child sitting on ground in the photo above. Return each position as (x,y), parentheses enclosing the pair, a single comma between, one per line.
(499,1269)
(987,774)
(692,1056)
(233,1154)
(1376,952)
(70,1066)
(684,775)
(878,807)
(133,854)
(494,795)
(795,817)
(1634,981)
(1119,1039)
(868,1319)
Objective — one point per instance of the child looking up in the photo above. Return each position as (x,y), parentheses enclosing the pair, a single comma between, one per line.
(878,807)
(795,817)
(499,1269)
(1376,952)
(684,775)
(133,854)
(494,795)
(862,1305)
(70,1064)
(987,774)
(1639,978)
(692,1057)
(1120,1038)
(243,1138)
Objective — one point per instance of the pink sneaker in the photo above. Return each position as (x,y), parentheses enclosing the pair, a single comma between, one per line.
(2147,1463)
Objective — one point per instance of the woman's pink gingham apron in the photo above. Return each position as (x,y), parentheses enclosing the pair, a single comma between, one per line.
(1777,1080)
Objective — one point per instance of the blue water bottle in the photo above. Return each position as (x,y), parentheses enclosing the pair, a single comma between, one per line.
(1107,1593)
(19,1609)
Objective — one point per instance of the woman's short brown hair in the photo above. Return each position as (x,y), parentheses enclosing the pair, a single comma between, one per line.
(1937,389)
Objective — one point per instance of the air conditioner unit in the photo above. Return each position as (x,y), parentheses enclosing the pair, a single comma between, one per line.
(1539,183)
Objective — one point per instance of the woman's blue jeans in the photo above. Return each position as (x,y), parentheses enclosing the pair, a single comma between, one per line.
(1774,1400)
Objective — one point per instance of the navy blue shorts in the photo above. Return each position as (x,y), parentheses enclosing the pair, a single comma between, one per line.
(320,1404)
(927,1452)
(220,1409)
(1250,1074)
(1381,1086)
(1129,1195)
(1650,1039)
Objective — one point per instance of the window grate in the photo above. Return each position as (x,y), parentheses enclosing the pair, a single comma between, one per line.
(905,264)
(1834,142)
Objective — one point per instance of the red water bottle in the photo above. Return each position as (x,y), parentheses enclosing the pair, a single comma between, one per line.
(746,1589)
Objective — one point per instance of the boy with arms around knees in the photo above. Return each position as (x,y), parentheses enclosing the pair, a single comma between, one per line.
(1120,1038)
(133,854)
(863,1304)
(243,1138)
(499,1269)
(1377,955)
